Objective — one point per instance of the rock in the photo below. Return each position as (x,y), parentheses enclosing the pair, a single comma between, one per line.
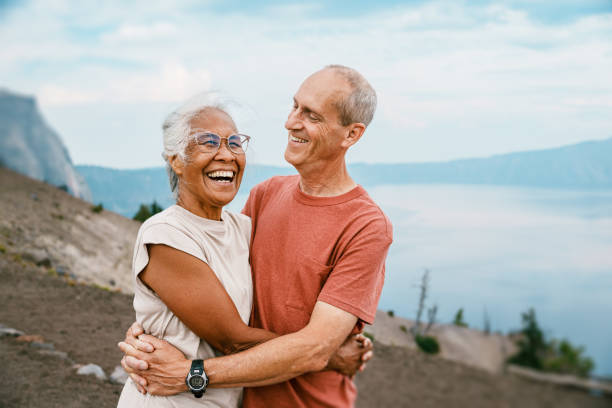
(56,353)
(61,271)
(29,338)
(8,331)
(43,346)
(119,376)
(38,256)
(92,369)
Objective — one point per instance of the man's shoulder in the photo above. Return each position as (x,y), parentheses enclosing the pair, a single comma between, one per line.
(274,184)
(369,210)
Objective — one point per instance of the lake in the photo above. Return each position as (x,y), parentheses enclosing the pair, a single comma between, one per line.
(504,250)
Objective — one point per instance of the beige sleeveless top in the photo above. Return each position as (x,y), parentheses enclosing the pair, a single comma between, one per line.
(224,246)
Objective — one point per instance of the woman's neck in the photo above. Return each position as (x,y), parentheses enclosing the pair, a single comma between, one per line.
(204,210)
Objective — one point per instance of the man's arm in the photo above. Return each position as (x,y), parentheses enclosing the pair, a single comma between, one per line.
(277,360)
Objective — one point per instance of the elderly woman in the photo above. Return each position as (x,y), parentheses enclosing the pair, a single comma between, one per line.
(192,277)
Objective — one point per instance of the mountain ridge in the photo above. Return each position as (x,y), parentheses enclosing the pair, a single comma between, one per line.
(585,165)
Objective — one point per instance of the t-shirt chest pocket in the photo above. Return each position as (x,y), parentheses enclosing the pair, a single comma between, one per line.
(303,289)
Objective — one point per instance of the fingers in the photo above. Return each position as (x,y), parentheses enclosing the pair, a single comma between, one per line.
(367,356)
(138,344)
(152,341)
(136,329)
(139,382)
(363,366)
(136,364)
(134,358)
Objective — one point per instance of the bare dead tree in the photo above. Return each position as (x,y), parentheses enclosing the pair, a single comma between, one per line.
(416,329)
(487,322)
(431,317)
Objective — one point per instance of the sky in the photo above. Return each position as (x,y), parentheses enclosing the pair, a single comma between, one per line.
(454,79)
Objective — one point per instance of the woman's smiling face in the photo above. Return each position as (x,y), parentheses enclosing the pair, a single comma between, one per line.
(209,181)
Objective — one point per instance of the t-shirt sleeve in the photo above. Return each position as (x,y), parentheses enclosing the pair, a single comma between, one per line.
(165,234)
(254,200)
(355,282)
(248,206)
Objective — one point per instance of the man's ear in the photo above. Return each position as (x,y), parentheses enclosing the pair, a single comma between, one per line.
(355,131)
(177,164)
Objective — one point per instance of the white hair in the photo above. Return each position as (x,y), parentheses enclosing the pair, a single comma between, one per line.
(359,105)
(177,129)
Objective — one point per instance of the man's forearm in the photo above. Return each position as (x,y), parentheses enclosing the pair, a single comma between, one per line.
(287,356)
(275,361)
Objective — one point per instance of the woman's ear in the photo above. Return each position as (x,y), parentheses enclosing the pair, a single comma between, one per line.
(177,164)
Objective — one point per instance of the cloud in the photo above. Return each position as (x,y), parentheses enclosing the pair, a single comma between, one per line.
(447,73)
(172,82)
(140,32)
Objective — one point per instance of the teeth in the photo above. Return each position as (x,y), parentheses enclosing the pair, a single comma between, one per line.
(220,173)
(298,140)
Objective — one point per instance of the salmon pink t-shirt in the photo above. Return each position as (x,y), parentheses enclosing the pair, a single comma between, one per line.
(306,249)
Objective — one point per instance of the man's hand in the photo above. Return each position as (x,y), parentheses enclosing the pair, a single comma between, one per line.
(131,338)
(352,356)
(154,365)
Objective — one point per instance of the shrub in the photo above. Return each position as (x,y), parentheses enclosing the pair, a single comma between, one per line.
(532,345)
(145,211)
(428,344)
(97,208)
(404,328)
(2,249)
(458,321)
(555,356)
(390,313)
(568,359)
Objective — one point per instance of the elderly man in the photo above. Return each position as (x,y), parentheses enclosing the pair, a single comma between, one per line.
(317,255)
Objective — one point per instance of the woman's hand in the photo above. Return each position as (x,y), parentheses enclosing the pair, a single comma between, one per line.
(154,365)
(352,356)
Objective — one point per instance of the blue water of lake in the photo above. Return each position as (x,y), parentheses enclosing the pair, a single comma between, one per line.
(504,250)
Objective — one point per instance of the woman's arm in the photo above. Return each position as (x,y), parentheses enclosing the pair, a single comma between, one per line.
(190,288)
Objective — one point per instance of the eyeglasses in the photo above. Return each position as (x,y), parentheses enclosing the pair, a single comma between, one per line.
(211,142)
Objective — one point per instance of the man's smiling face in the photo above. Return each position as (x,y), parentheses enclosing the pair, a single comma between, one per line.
(314,129)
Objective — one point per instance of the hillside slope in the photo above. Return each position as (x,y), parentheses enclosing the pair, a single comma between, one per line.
(45,224)
(86,323)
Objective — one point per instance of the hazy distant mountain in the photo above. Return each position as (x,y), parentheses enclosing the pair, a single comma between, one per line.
(29,146)
(585,165)
(123,191)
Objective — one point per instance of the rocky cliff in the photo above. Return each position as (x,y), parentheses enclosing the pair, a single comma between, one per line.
(29,146)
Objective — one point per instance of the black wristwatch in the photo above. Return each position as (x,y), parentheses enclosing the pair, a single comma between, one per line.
(196,380)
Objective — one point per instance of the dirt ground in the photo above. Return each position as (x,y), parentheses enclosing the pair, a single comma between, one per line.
(86,322)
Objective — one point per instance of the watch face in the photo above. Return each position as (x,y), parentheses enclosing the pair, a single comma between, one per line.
(196,381)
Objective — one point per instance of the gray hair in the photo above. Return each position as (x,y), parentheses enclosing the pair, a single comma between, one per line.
(358,106)
(176,129)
